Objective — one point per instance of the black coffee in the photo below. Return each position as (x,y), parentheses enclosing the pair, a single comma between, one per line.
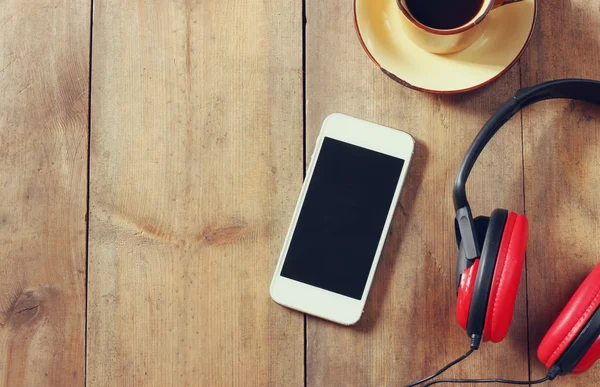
(444,14)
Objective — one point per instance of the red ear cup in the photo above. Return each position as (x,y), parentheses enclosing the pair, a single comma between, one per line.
(571,321)
(465,294)
(507,276)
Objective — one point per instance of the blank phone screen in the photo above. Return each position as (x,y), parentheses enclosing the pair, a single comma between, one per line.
(342,218)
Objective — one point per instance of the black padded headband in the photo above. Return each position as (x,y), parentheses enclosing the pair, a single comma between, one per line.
(580,89)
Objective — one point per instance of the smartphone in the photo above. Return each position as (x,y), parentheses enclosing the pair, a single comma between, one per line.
(341,219)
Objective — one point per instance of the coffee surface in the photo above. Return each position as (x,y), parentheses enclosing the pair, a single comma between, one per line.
(444,14)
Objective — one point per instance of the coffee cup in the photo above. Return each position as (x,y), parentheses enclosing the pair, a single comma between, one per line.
(446,26)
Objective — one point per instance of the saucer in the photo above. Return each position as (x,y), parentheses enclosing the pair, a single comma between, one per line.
(507,31)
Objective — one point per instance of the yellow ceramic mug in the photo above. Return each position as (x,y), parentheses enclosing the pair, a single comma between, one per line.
(447,41)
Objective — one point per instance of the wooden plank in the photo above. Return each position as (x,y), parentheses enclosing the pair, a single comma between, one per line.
(561,141)
(196,163)
(408,329)
(44,76)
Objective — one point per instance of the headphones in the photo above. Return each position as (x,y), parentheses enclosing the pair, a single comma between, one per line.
(491,253)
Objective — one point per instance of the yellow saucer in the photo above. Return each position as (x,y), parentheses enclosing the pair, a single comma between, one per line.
(507,31)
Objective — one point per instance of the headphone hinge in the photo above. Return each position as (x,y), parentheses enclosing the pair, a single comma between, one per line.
(466,229)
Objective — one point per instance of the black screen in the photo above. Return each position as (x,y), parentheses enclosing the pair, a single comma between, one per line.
(342,218)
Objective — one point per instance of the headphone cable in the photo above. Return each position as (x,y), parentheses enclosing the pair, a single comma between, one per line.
(552,373)
(444,369)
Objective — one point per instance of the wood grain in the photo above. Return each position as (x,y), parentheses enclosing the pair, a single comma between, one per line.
(561,147)
(44,74)
(409,329)
(196,163)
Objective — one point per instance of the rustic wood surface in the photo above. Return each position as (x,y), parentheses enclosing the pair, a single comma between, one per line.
(201,120)
(196,161)
(44,80)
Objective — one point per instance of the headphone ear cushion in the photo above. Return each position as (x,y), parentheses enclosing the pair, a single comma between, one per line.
(571,321)
(506,279)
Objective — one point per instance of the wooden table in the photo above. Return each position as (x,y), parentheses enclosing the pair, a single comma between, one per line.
(149,166)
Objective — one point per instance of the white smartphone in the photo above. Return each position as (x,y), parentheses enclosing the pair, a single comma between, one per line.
(342,217)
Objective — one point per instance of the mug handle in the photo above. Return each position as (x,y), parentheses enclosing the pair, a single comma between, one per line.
(499,3)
